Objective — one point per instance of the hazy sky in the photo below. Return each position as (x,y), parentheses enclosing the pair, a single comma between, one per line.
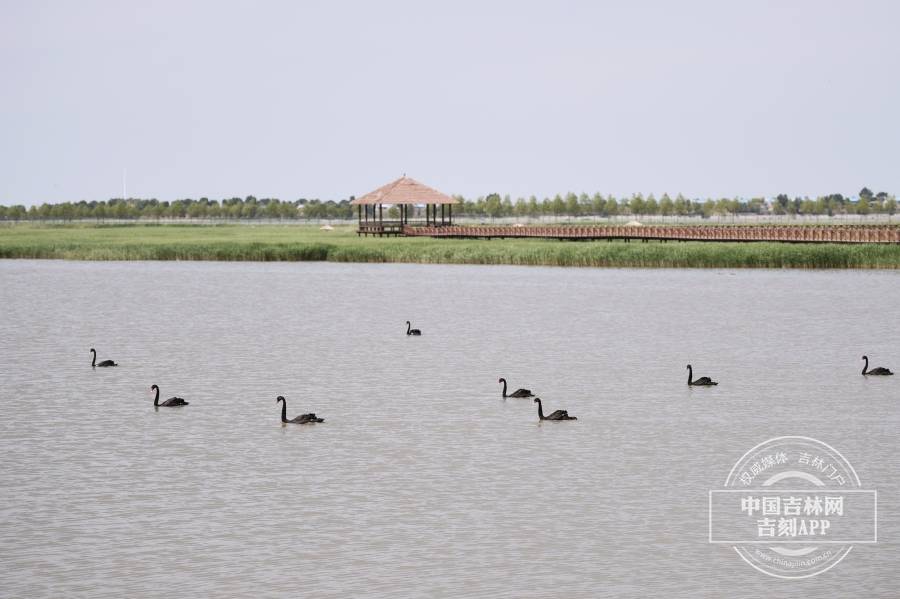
(332,99)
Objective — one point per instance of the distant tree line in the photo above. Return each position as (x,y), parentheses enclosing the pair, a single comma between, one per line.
(639,205)
(134,208)
(490,206)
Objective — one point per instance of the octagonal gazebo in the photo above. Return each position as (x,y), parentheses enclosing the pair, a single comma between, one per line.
(403,193)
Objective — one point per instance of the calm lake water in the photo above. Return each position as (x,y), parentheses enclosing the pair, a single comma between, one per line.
(423,481)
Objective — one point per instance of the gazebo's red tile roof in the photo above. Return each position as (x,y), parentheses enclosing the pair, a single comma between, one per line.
(404,191)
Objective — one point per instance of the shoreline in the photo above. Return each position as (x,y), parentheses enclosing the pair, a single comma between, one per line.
(293,243)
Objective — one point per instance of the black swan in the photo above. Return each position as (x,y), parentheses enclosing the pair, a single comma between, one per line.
(876,371)
(703,381)
(104,363)
(172,402)
(302,419)
(410,331)
(557,415)
(517,392)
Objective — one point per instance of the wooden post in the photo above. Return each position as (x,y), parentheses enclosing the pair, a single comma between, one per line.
(450,210)
(442,215)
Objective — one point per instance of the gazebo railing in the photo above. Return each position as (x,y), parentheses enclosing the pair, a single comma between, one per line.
(387,227)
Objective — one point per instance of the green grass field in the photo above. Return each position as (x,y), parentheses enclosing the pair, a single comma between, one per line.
(306,242)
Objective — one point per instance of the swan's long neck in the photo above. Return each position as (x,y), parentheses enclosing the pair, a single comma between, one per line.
(690,375)
(156,399)
(284,411)
(504,387)
(866,365)
(408,327)
(94,357)
(540,410)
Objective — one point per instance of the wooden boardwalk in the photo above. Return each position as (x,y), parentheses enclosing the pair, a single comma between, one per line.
(783,233)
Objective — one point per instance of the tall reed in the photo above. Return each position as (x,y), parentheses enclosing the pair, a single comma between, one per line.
(299,243)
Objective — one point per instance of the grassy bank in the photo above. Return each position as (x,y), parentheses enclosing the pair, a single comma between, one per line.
(304,243)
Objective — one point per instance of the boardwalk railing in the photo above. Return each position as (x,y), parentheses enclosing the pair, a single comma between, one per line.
(784,233)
